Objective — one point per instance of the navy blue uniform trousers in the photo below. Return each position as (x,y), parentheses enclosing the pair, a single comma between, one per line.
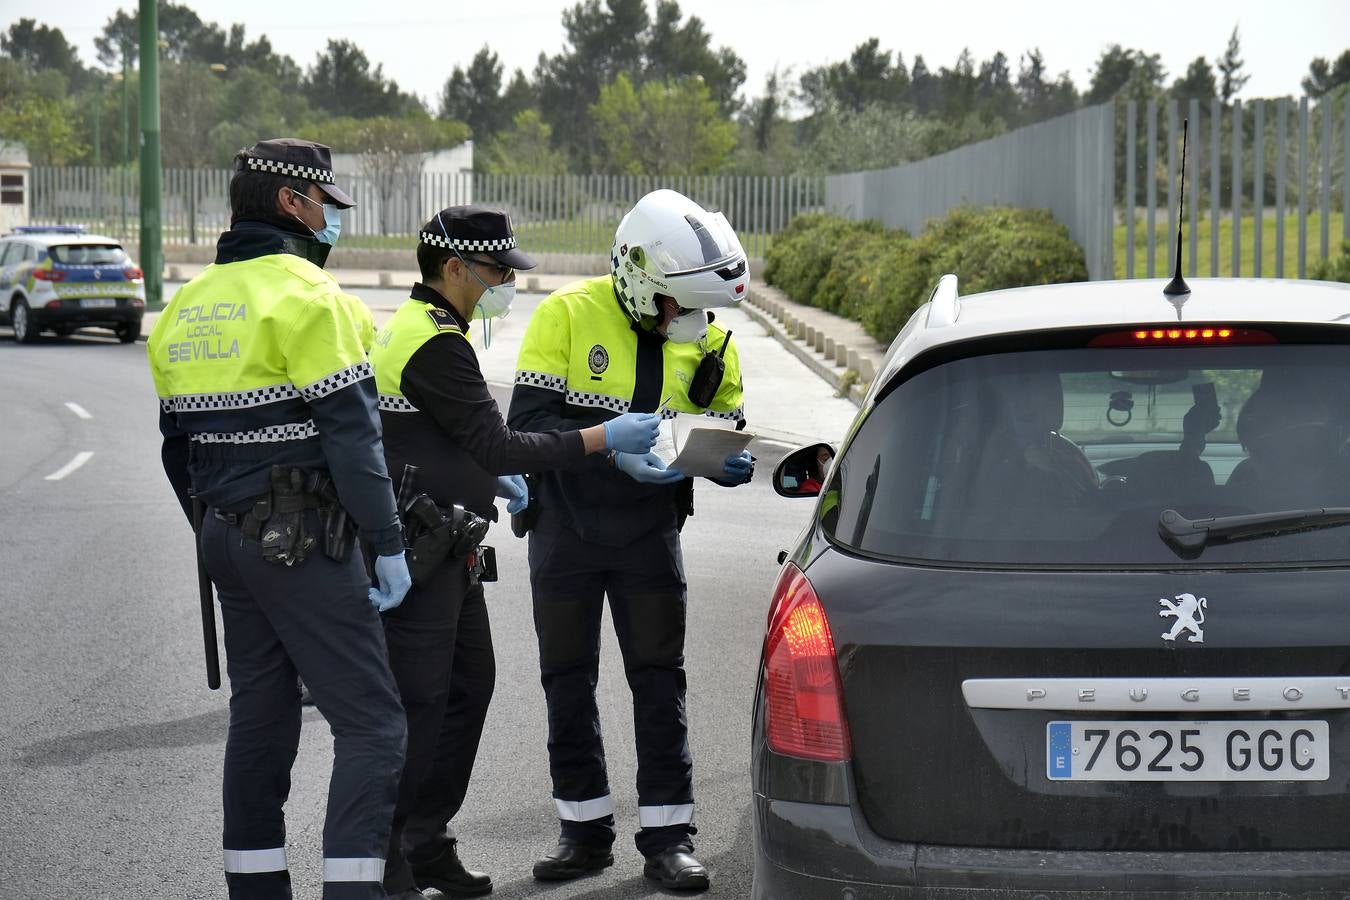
(314,620)
(440,649)
(645,584)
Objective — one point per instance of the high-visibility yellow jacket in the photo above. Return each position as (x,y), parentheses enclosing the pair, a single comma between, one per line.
(439,416)
(260,361)
(584,360)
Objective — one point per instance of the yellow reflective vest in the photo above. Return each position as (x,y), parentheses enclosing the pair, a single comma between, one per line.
(261,362)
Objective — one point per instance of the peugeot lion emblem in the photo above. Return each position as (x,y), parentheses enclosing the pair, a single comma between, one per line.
(1189,611)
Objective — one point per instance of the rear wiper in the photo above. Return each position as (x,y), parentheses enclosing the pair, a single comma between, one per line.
(1188,537)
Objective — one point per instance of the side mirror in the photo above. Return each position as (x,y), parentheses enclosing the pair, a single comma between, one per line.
(802,472)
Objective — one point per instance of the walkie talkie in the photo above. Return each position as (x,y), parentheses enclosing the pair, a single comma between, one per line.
(708,376)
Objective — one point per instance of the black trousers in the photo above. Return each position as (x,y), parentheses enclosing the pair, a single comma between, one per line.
(440,649)
(646,588)
(313,619)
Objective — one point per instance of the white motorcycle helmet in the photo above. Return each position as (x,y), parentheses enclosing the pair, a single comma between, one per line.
(669,245)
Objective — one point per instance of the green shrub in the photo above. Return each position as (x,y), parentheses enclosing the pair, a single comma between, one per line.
(1002,247)
(798,263)
(879,277)
(1333,268)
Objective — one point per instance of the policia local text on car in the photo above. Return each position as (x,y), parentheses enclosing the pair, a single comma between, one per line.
(441,424)
(630,340)
(268,410)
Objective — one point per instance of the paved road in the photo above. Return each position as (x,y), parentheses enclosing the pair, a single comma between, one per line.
(111,745)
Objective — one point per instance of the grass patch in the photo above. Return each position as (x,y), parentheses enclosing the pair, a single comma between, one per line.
(1166,238)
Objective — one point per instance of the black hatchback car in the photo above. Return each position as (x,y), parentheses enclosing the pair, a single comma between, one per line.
(1072,616)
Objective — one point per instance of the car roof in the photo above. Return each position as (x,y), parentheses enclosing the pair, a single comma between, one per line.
(948,318)
(58,238)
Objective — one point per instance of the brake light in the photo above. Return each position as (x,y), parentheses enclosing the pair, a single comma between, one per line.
(132,273)
(803,691)
(49,275)
(1170,335)
(53,304)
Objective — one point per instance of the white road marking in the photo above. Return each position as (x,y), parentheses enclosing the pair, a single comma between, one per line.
(80,459)
(79,410)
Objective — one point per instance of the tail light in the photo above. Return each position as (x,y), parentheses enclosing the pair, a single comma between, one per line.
(53,304)
(132,273)
(803,690)
(49,275)
(1164,335)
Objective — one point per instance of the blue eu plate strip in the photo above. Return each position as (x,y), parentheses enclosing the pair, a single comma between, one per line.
(1059,750)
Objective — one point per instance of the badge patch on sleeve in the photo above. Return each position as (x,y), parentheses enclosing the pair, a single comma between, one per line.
(598,359)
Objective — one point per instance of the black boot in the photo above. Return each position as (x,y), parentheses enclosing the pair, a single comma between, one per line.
(447,874)
(570,859)
(675,867)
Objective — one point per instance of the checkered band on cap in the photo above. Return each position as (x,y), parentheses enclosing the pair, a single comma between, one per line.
(309,173)
(436,240)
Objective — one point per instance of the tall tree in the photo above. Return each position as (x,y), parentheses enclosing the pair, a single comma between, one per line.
(1230,68)
(866,77)
(342,83)
(523,149)
(1324,77)
(924,89)
(662,128)
(1134,73)
(1041,98)
(473,95)
(40,47)
(958,86)
(1198,82)
(679,50)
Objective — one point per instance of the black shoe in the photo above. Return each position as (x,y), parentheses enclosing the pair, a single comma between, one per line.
(675,867)
(447,874)
(570,859)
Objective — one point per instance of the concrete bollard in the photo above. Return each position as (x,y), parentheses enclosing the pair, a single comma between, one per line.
(386,279)
(810,336)
(855,362)
(866,371)
(841,354)
(789,323)
(819,342)
(829,349)
(532,284)
(175,273)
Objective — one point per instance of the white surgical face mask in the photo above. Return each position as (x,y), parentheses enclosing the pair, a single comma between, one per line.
(688,327)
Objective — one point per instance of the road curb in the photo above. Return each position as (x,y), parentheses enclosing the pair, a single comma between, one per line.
(812,346)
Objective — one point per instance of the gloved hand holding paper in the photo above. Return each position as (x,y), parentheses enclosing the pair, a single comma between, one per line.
(701,450)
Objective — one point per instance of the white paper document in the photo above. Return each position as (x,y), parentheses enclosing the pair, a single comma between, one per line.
(702,450)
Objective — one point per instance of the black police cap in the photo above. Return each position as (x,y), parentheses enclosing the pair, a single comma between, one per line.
(476,229)
(296,159)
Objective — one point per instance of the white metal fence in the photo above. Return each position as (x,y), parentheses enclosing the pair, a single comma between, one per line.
(552,214)
(1263,180)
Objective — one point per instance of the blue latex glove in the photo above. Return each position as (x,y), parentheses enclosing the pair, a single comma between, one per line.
(512,489)
(632,432)
(391,574)
(739,468)
(647,468)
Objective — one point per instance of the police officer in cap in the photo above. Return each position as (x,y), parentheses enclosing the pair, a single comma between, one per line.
(268,411)
(638,338)
(439,417)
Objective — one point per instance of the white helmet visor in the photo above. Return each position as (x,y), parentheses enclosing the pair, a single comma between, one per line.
(702,241)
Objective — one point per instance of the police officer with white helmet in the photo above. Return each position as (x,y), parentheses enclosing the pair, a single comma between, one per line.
(637,339)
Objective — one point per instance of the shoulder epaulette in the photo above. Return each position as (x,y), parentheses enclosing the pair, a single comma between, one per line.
(443,320)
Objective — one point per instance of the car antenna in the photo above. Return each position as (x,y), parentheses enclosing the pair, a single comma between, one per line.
(1178,284)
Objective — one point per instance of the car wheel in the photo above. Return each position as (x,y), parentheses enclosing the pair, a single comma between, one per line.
(127,332)
(25,332)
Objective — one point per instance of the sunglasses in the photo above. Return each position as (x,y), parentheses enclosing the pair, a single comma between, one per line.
(504,272)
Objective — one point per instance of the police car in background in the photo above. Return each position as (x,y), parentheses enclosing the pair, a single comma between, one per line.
(1071,617)
(57,278)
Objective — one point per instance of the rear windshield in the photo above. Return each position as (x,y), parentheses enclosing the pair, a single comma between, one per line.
(1067,457)
(88,254)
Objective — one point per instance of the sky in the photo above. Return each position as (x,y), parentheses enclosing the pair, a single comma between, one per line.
(419,43)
